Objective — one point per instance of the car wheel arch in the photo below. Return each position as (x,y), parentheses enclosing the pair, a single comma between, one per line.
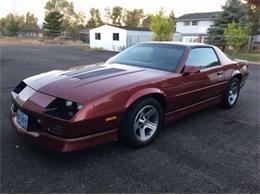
(147,93)
(236,74)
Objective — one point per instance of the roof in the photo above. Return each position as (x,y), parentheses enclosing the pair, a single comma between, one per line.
(198,16)
(134,28)
(128,27)
(187,44)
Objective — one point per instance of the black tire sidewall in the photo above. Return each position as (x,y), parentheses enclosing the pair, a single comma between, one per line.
(225,102)
(127,132)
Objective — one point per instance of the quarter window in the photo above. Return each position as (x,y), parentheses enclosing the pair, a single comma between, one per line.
(97,36)
(202,58)
(115,36)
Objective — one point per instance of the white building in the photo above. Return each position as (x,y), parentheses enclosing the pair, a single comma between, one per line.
(117,38)
(193,27)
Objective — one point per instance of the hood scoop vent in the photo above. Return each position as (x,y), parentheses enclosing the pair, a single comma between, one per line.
(84,70)
(93,73)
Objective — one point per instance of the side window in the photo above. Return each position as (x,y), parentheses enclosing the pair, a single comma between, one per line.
(194,23)
(97,36)
(115,36)
(202,58)
(186,23)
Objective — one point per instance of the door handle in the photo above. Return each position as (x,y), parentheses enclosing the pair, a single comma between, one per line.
(221,73)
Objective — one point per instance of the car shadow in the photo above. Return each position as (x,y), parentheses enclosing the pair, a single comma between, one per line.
(118,148)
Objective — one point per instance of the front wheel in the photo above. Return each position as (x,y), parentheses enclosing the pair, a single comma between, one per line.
(142,122)
(231,94)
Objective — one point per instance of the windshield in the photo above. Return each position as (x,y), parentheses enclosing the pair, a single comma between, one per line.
(151,55)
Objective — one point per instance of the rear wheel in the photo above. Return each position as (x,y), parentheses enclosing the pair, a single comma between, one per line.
(231,94)
(142,122)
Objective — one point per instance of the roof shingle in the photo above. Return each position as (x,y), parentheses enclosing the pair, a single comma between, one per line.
(198,16)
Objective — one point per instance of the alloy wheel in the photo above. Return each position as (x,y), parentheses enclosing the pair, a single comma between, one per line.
(233,93)
(146,123)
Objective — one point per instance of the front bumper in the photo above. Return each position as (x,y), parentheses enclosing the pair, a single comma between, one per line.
(53,133)
(63,144)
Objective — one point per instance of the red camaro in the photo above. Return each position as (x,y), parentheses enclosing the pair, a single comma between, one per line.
(128,98)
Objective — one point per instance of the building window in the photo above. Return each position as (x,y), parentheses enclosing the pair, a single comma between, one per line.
(187,23)
(97,36)
(115,36)
(194,23)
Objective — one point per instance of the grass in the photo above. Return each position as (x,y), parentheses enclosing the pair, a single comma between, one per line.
(252,56)
(56,41)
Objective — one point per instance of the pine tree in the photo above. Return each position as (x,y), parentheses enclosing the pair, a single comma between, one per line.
(233,11)
(53,24)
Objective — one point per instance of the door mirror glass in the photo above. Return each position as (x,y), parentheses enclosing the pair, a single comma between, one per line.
(191,69)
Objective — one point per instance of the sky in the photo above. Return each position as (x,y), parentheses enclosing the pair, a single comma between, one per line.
(179,7)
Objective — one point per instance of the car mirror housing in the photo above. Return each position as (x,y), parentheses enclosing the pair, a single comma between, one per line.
(191,70)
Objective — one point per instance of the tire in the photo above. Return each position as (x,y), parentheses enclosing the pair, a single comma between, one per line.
(231,94)
(142,123)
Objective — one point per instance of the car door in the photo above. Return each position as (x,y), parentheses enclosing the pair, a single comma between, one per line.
(196,87)
(211,71)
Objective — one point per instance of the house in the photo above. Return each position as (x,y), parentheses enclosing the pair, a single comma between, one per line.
(30,34)
(193,27)
(117,38)
(256,42)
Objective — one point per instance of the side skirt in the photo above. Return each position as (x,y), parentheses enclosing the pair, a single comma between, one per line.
(171,116)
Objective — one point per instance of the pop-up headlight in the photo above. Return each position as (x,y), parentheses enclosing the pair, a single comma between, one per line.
(64,109)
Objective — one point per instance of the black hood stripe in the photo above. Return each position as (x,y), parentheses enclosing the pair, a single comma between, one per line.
(82,70)
(97,73)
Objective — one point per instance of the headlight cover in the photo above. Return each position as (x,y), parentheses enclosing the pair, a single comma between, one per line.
(63,109)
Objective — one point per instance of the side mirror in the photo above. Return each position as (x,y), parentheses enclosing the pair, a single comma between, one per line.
(191,70)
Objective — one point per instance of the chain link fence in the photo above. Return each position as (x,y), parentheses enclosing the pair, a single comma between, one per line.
(242,47)
(132,40)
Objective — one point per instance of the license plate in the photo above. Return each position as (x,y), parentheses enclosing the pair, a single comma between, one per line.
(22,119)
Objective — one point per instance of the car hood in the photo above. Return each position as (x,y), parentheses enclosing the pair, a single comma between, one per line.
(86,82)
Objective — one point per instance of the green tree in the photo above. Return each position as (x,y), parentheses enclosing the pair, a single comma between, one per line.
(147,21)
(72,21)
(10,25)
(30,23)
(57,5)
(236,35)
(115,15)
(133,17)
(162,27)
(53,24)
(233,10)
(95,18)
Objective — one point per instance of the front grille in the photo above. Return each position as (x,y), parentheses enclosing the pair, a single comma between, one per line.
(56,130)
(34,123)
